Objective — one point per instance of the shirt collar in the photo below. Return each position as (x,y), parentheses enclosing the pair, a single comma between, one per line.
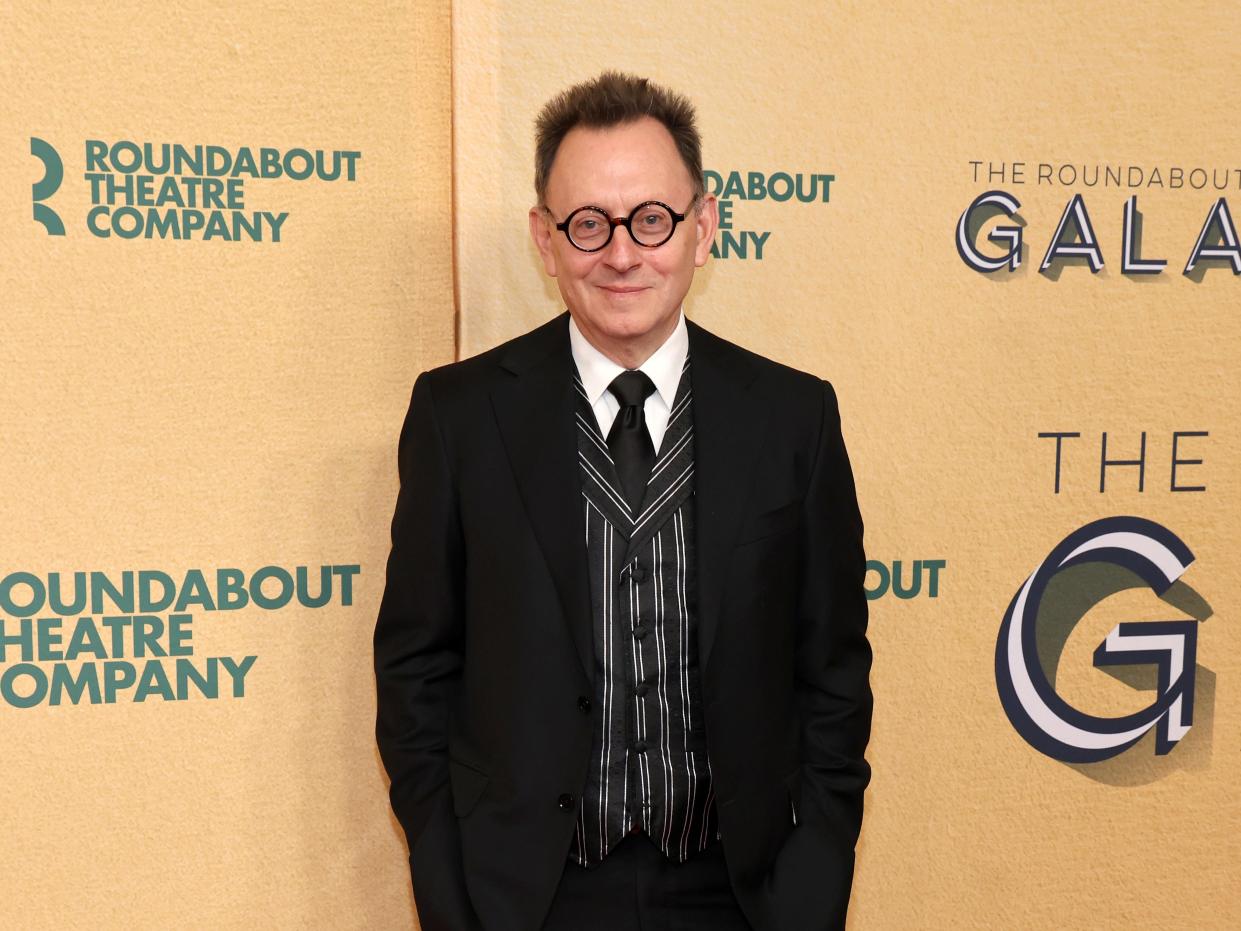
(663,367)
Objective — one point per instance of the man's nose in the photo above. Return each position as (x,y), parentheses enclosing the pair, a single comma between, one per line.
(622,252)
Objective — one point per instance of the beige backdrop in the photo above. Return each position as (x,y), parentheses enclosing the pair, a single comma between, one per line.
(203,404)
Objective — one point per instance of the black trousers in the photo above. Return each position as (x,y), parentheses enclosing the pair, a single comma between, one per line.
(637,888)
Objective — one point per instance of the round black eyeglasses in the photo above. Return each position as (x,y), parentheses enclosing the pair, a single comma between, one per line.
(650,224)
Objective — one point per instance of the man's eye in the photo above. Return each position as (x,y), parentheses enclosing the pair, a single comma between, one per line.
(588,224)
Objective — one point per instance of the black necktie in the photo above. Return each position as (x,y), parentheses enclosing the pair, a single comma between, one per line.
(628,440)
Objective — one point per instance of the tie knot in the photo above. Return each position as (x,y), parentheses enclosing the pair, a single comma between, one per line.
(632,387)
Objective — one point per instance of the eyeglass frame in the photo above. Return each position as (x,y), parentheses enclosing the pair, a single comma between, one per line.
(626,222)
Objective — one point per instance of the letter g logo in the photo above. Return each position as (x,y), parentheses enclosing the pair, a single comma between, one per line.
(984,205)
(1046,721)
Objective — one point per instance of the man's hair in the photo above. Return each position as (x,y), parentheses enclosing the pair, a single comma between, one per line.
(611,99)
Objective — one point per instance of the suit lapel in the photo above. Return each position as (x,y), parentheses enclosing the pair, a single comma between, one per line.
(600,483)
(729,429)
(534,407)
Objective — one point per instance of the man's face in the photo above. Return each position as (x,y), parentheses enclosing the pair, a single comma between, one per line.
(624,297)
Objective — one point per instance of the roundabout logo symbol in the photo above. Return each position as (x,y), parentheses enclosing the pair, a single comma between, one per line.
(1045,720)
(53,175)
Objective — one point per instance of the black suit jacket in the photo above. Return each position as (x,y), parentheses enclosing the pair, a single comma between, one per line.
(484,651)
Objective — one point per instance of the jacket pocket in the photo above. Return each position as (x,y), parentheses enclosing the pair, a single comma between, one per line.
(754,825)
(467,784)
(770,522)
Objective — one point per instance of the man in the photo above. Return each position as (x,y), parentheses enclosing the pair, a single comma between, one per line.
(621,656)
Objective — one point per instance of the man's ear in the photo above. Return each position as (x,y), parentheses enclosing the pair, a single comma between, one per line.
(541,233)
(705,223)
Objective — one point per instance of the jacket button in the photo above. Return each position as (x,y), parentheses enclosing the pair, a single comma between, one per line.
(640,689)
(565,801)
(638,572)
(583,704)
(640,746)
(639,632)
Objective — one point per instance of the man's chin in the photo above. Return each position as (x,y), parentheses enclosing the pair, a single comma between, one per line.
(630,326)
(618,323)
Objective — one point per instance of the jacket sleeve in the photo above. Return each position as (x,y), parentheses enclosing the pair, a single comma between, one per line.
(814,871)
(419,645)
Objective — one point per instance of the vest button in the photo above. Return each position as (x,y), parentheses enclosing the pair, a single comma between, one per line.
(640,746)
(639,632)
(641,689)
(638,572)
(583,704)
(565,801)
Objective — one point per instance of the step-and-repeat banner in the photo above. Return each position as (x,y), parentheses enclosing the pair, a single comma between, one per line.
(1008,240)
(232,237)
(227,248)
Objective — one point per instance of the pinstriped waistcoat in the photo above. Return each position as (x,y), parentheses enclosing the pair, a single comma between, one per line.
(648,755)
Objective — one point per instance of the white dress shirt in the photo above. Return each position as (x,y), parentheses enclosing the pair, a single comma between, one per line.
(663,368)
